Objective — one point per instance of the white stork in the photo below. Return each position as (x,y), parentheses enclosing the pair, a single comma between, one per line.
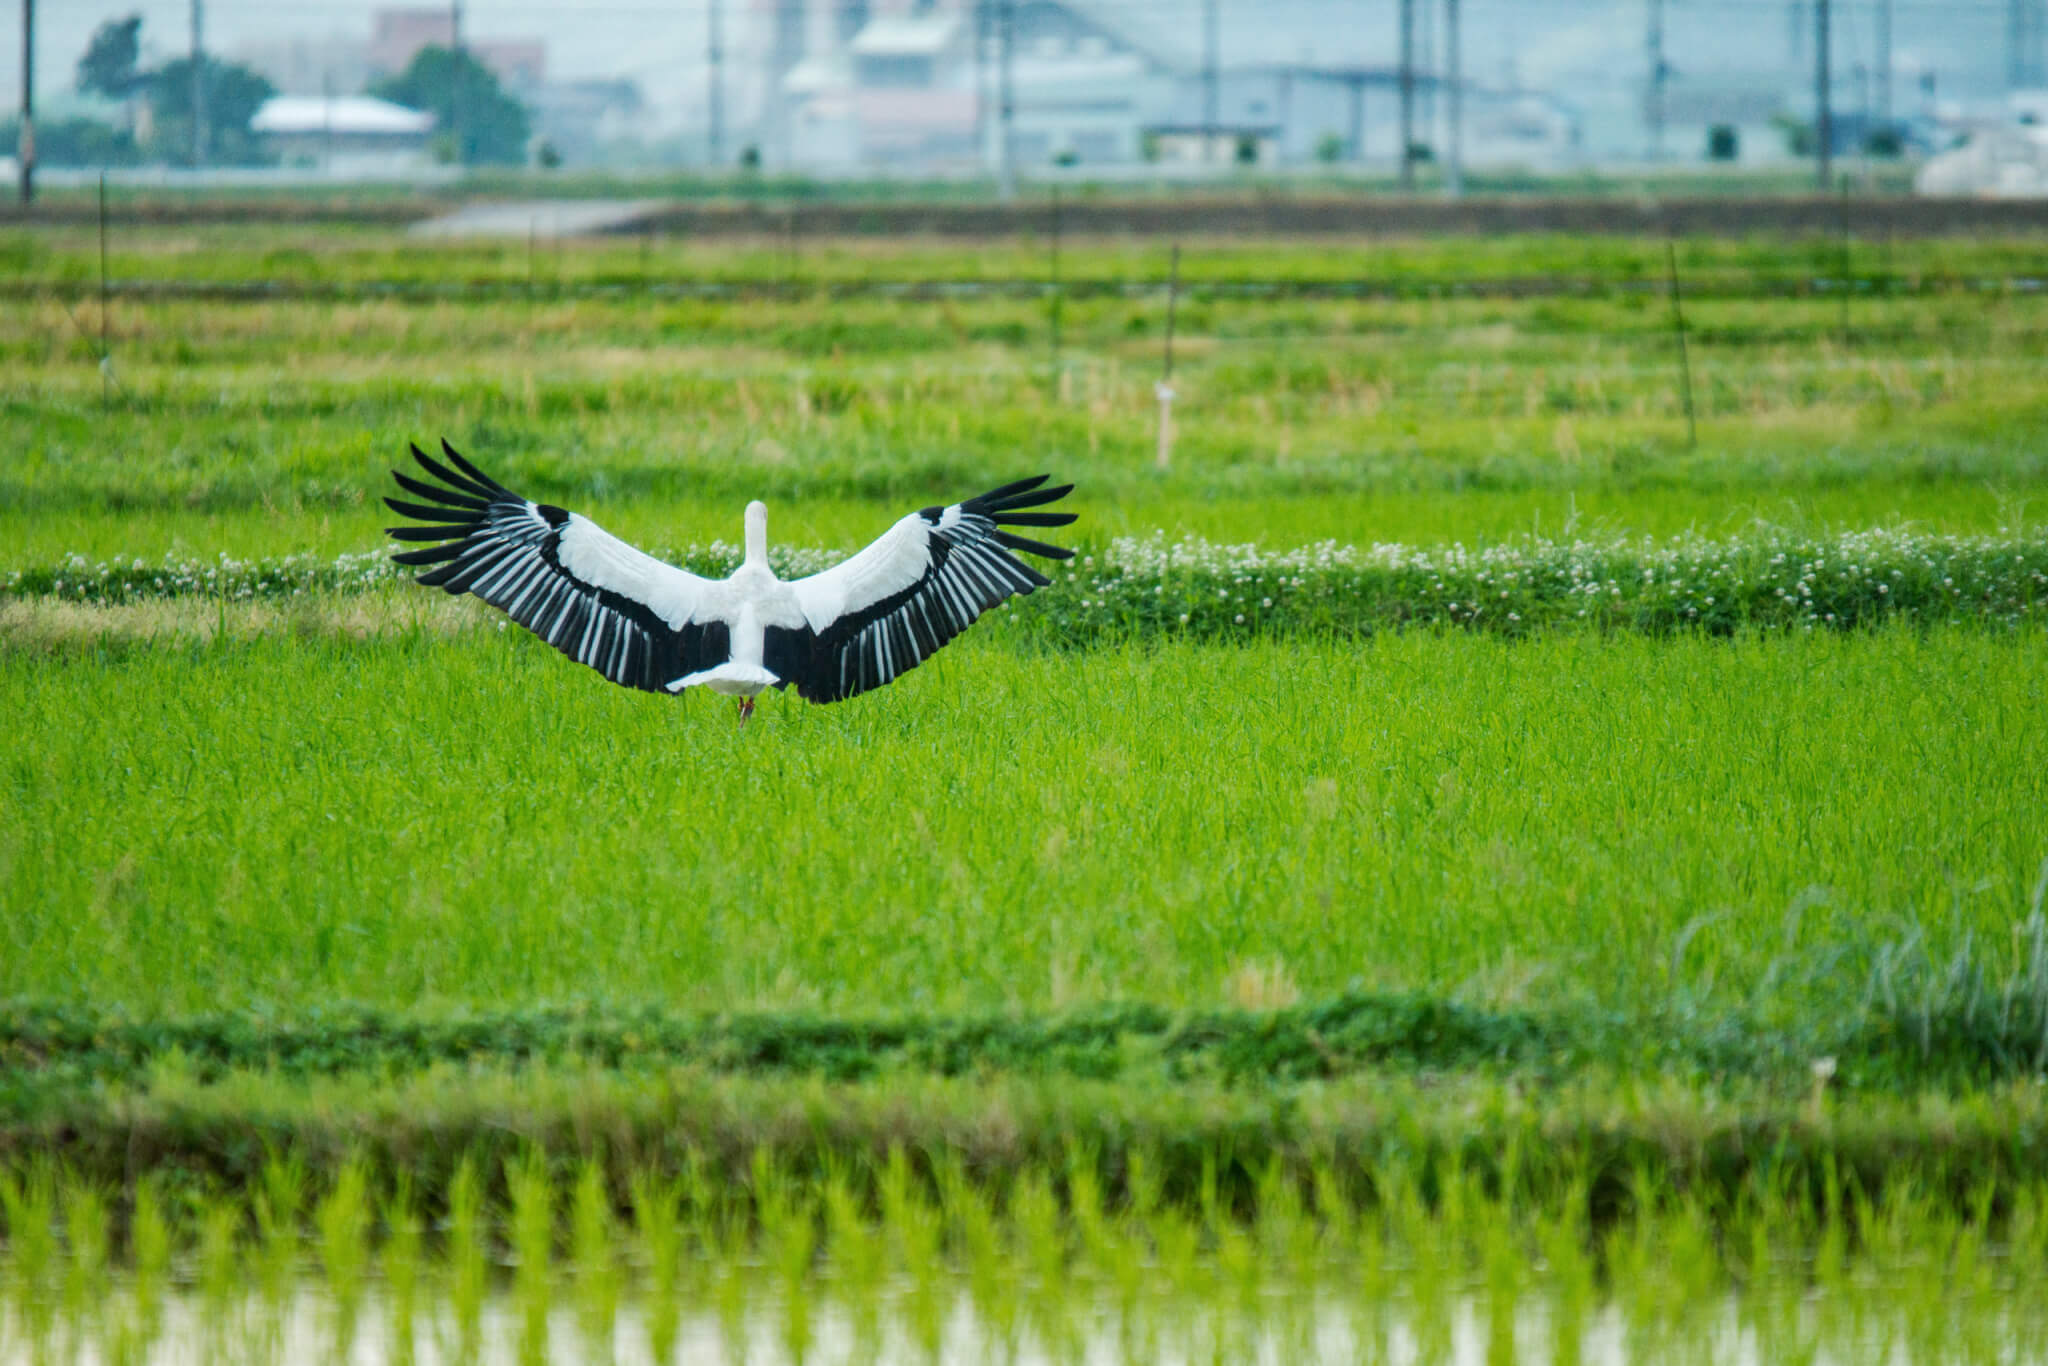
(650,625)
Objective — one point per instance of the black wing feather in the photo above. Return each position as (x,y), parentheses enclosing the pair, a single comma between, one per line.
(970,572)
(507,551)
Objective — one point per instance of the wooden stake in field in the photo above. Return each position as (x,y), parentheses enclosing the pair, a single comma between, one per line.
(1692,431)
(1163,390)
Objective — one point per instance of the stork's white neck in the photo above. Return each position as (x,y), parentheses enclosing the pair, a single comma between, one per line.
(757,534)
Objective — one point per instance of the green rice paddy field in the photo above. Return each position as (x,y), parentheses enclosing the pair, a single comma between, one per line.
(1457,869)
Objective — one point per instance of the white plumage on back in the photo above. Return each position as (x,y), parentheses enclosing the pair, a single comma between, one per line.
(647,624)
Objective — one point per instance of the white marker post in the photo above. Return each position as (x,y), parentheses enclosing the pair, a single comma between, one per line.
(1164,393)
(1163,390)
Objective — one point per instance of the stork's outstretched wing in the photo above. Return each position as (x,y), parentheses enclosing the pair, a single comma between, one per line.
(634,619)
(889,608)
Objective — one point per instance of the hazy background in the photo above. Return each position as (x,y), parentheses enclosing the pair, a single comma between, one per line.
(629,80)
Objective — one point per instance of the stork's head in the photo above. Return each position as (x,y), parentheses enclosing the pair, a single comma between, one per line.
(757,532)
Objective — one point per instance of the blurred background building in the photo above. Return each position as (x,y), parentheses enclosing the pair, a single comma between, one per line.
(1095,88)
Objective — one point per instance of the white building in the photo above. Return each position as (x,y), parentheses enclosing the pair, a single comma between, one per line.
(345,135)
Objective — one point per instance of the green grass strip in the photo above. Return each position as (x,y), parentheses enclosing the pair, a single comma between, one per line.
(1930,1024)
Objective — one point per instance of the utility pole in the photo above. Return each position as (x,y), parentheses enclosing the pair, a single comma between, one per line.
(1425,59)
(27,150)
(1211,115)
(1654,104)
(198,83)
(455,95)
(1006,101)
(1884,64)
(1823,121)
(1454,105)
(716,55)
(980,81)
(1407,94)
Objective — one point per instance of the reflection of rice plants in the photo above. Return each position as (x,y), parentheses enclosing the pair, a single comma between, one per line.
(918,1263)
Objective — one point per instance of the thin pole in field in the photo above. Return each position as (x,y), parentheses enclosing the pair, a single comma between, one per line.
(1692,431)
(1163,390)
(1842,214)
(789,244)
(1055,299)
(106,355)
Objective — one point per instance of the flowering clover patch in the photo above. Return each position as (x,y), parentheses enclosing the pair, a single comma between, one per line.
(1139,586)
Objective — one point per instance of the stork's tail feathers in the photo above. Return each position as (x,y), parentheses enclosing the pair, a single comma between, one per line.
(730,677)
(1003,507)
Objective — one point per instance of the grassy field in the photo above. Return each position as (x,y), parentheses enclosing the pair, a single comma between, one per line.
(1448,814)
(1611,844)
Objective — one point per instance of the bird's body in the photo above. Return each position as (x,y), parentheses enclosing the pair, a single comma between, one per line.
(646,624)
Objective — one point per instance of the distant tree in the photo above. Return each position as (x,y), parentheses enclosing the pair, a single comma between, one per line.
(1885,143)
(1330,148)
(73,142)
(1800,139)
(1723,143)
(482,123)
(233,95)
(1247,150)
(108,66)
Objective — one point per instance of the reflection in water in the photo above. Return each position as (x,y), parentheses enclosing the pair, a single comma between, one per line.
(743,1316)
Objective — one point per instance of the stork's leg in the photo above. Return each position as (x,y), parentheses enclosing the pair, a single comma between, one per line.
(746,709)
